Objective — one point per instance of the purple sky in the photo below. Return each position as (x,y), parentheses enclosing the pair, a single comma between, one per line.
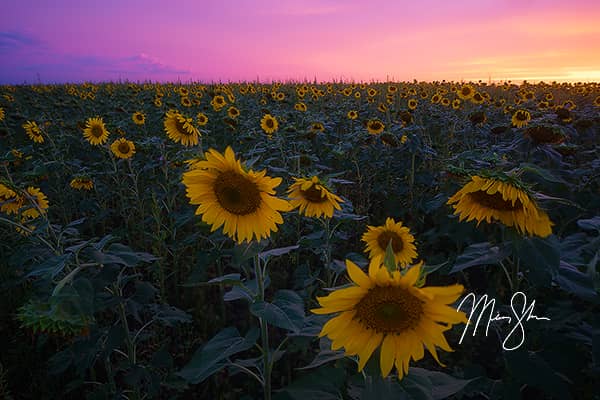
(67,40)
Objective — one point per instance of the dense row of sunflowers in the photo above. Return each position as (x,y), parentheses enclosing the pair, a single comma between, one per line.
(388,307)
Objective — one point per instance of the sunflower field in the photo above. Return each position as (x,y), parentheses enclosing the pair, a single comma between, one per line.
(300,240)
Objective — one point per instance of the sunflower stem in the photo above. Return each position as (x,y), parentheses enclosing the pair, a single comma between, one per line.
(264,329)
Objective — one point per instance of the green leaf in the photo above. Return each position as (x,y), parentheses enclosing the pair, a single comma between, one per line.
(323,384)
(543,173)
(442,385)
(274,315)
(592,224)
(213,356)
(51,267)
(540,258)
(531,369)
(229,279)
(390,260)
(265,255)
(325,355)
(572,280)
(480,254)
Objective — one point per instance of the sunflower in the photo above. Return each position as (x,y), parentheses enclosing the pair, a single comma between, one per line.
(465,92)
(317,127)
(478,98)
(138,118)
(412,104)
(33,131)
(186,102)
(300,107)
(445,102)
(312,198)
(520,118)
(352,114)
(82,183)
(95,132)
(388,309)
(377,239)
(563,114)
(227,195)
(2,114)
(436,98)
(382,107)
(406,118)
(39,200)
(375,126)
(123,148)
(494,199)
(10,201)
(233,112)
(158,102)
(477,118)
(218,102)
(180,129)
(545,134)
(597,101)
(201,119)
(456,104)
(269,124)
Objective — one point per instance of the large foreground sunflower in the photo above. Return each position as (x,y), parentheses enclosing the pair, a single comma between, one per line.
(377,239)
(180,129)
(312,198)
(95,132)
(243,202)
(492,199)
(387,309)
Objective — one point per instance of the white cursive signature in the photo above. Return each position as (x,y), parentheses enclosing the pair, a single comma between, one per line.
(522,313)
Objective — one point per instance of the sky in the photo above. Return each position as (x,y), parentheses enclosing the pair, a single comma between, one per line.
(57,41)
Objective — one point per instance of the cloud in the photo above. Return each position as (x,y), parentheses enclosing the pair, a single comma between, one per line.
(14,41)
(28,59)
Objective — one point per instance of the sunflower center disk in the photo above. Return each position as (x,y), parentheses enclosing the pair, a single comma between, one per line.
(236,193)
(495,201)
(97,131)
(313,195)
(384,238)
(180,126)
(389,310)
(123,148)
(269,123)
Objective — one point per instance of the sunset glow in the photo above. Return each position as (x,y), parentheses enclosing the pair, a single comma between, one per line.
(70,41)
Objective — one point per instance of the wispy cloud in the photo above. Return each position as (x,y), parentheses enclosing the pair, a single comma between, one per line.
(13,41)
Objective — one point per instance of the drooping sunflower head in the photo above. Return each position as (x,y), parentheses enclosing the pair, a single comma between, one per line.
(388,309)
(181,129)
(139,118)
(95,131)
(123,148)
(375,126)
(82,183)
(377,239)
(33,131)
(227,195)
(520,118)
(269,124)
(10,200)
(313,198)
(494,199)
(545,134)
(37,203)
(477,117)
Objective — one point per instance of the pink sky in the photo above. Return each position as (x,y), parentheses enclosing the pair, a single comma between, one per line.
(74,41)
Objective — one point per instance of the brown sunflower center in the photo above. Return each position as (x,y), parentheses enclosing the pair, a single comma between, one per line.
(236,193)
(269,123)
(521,116)
(123,147)
(96,131)
(181,127)
(375,126)
(465,91)
(495,201)
(384,238)
(389,310)
(313,194)
(139,117)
